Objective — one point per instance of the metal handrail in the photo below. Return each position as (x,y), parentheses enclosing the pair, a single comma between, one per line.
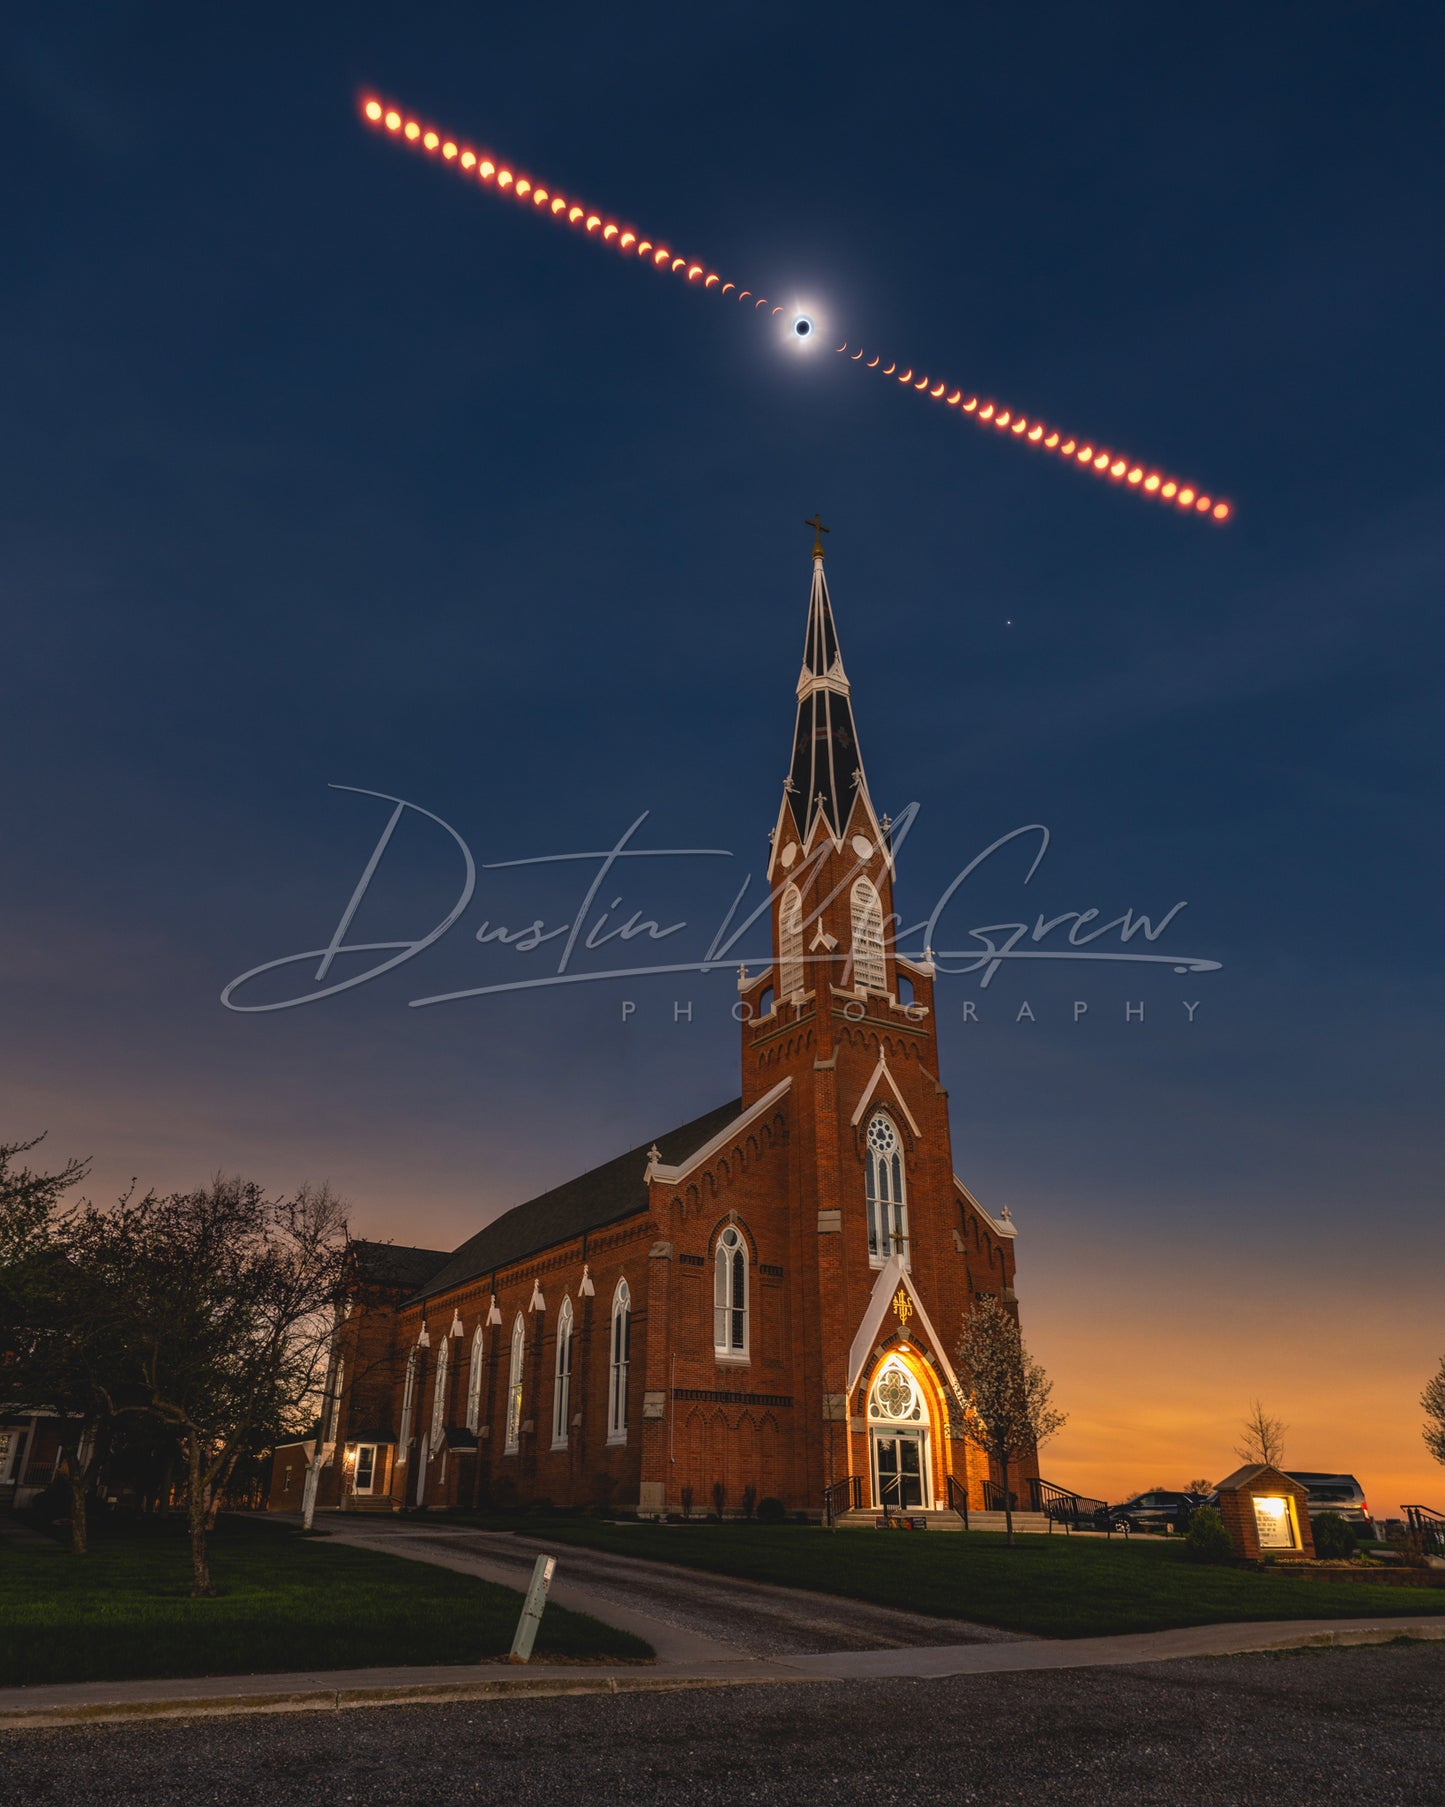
(1062,1503)
(958,1498)
(994,1500)
(1425,1523)
(843,1496)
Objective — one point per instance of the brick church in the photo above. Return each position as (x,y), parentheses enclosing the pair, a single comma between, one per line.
(764,1300)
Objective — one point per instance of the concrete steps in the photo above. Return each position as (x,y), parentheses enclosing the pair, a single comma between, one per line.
(947,1520)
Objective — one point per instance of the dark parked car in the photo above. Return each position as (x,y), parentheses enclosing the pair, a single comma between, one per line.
(1156,1511)
(1340,1493)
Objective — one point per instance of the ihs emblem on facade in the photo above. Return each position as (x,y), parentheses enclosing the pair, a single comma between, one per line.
(902,1307)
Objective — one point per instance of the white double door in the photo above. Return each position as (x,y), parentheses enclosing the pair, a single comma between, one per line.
(900,1468)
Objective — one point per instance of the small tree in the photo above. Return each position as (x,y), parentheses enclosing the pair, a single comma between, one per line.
(1262,1438)
(229,1298)
(1433,1400)
(1009,1413)
(1196,1486)
(719,1497)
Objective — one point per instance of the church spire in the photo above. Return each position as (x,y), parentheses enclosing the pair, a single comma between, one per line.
(827,767)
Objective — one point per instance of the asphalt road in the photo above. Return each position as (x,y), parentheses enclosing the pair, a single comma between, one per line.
(1361,1726)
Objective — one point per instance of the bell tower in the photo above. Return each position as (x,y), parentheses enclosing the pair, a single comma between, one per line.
(842,1024)
(830,877)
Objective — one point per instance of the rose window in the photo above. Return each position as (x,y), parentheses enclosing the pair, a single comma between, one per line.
(894,1396)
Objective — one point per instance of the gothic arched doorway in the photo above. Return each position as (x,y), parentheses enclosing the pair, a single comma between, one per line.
(898,1439)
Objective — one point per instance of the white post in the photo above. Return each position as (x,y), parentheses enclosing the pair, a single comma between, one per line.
(531,1618)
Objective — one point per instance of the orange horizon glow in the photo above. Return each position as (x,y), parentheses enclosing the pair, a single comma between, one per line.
(1187,496)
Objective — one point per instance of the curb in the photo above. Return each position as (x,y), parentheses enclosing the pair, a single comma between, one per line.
(316,1700)
(936,1662)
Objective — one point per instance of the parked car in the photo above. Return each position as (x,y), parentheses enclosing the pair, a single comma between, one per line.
(1340,1493)
(1156,1511)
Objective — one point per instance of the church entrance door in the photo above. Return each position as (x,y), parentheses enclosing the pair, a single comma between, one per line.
(898,1438)
(898,1469)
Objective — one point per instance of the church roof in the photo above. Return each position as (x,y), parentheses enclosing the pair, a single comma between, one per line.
(827,766)
(604,1195)
(394,1264)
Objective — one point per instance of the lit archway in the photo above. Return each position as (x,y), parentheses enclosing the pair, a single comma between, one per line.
(900,1456)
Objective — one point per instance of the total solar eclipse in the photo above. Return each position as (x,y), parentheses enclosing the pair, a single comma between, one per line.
(1087,454)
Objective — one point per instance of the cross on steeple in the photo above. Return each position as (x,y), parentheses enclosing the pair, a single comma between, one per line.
(818,531)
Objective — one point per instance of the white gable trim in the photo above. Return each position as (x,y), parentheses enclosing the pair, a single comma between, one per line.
(891,1276)
(881,1072)
(1006,1227)
(669,1176)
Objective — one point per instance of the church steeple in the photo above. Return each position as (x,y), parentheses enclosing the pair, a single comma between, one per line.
(827,767)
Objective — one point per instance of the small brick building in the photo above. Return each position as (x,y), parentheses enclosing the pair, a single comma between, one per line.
(767,1297)
(1265,1514)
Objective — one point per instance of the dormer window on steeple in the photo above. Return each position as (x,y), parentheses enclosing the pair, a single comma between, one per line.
(790,943)
(870,970)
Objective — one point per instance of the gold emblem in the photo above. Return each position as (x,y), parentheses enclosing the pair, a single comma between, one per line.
(902,1306)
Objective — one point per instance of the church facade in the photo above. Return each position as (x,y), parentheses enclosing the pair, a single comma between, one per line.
(762,1303)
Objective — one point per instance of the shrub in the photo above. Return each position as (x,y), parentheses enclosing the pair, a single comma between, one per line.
(686,1497)
(771,1511)
(719,1497)
(1206,1540)
(1334,1538)
(750,1500)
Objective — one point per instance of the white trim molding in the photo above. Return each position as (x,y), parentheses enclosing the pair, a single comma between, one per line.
(669,1176)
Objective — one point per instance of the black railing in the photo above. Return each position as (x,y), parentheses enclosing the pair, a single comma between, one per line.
(1425,1523)
(993,1498)
(958,1498)
(843,1496)
(1060,1505)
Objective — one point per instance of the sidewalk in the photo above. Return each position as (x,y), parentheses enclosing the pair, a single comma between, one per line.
(81,1703)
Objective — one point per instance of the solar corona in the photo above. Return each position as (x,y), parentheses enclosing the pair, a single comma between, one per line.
(800,327)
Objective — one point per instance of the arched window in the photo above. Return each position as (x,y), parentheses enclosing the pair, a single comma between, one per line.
(887,1199)
(562,1382)
(790,943)
(514,1385)
(408,1400)
(439,1395)
(474,1383)
(730,1294)
(617,1371)
(870,971)
(336,1402)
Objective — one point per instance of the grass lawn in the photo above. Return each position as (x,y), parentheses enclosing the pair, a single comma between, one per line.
(286,1602)
(1059,1587)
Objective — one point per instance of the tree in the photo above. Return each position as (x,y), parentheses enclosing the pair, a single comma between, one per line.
(57,1330)
(229,1298)
(1433,1400)
(1196,1486)
(1008,1394)
(1262,1438)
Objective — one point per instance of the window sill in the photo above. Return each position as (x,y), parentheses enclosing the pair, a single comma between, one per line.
(617,1440)
(511,1449)
(732,1358)
(562,1444)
